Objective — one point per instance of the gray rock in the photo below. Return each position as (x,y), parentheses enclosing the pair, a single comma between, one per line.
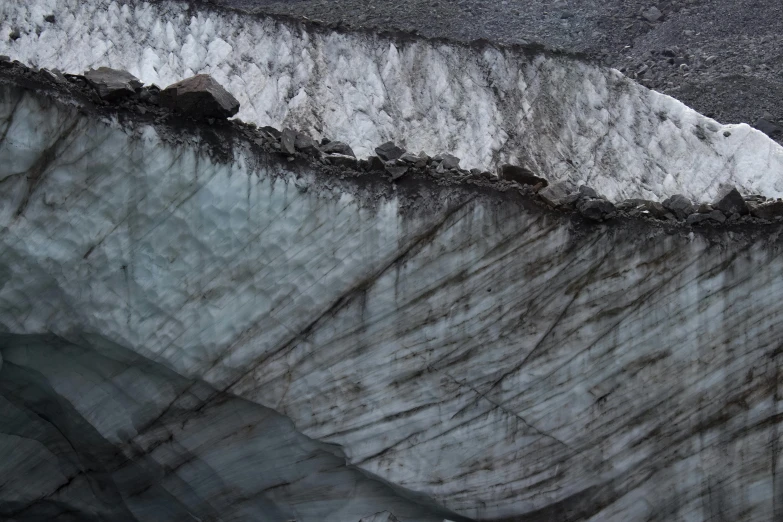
(521,175)
(5,58)
(389,151)
(596,209)
(342,160)
(679,205)
(771,129)
(450,162)
(730,201)
(408,158)
(714,216)
(306,144)
(111,84)
(200,96)
(396,172)
(705,208)
(587,192)
(653,14)
(337,147)
(272,132)
(50,18)
(768,210)
(288,141)
(717,215)
(560,194)
(375,163)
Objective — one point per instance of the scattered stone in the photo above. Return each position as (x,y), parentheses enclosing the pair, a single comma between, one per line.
(679,205)
(396,172)
(521,175)
(730,202)
(560,194)
(376,163)
(389,151)
(653,14)
(342,160)
(272,132)
(306,144)
(587,192)
(111,84)
(450,162)
(288,141)
(337,147)
(773,130)
(200,96)
(596,209)
(49,18)
(768,210)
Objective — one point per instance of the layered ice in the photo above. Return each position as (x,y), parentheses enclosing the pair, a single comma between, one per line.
(468,350)
(563,118)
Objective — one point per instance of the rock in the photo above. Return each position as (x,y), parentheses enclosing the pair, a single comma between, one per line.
(389,151)
(49,18)
(111,84)
(521,175)
(288,141)
(450,162)
(5,61)
(730,201)
(587,192)
(376,163)
(643,207)
(560,194)
(679,205)
(653,14)
(705,208)
(768,210)
(715,215)
(773,130)
(396,172)
(272,132)
(306,144)
(383,516)
(200,96)
(596,209)
(14,35)
(337,147)
(342,160)
(408,158)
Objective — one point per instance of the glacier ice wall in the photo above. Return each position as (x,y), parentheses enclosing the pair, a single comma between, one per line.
(498,359)
(562,117)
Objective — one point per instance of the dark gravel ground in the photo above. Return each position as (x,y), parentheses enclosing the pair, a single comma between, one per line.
(722,57)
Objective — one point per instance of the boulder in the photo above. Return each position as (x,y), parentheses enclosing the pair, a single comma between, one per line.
(730,201)
(560,194)
(449,162)
(375,163)
(288,141)
(389,151)
(596,209)
(700,217)
(306,144)
(337,147)
(771,129)
(768,210)
(521,175)
(396,172)
(679,205)
(200,97)
(111,84)
(342,160)
(587,192)
(272,132)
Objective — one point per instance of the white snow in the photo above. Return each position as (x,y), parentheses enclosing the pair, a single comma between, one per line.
(563,118)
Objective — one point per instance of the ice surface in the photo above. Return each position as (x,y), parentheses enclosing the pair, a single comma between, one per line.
(561,117)
(456,344)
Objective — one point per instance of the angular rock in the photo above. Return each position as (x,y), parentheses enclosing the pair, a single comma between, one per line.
(714,216)
(768,210)
(705,208)
(408,158)
(587,192)
(111,84)
(288,141)
(679,205)
(273,132)
(643,207)
(342,160)
(771,129)
(389,151)
(375,163)
(653,14)
(306,144)
(730,201)
(596,209)
(559,194)
(521,175)
(200,96)
(449,162)
(337,147)
(396,172)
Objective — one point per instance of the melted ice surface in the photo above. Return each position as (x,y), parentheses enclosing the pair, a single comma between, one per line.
(564,118)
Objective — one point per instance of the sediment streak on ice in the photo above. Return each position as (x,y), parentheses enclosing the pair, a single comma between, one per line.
(564,118)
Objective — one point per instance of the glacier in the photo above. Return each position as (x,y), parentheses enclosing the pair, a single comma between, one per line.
(554,113)
(192,323)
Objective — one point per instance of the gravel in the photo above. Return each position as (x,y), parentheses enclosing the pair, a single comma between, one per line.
(722,57)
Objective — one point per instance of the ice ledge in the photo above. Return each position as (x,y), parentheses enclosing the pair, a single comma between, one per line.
(221,139)
(563,118)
